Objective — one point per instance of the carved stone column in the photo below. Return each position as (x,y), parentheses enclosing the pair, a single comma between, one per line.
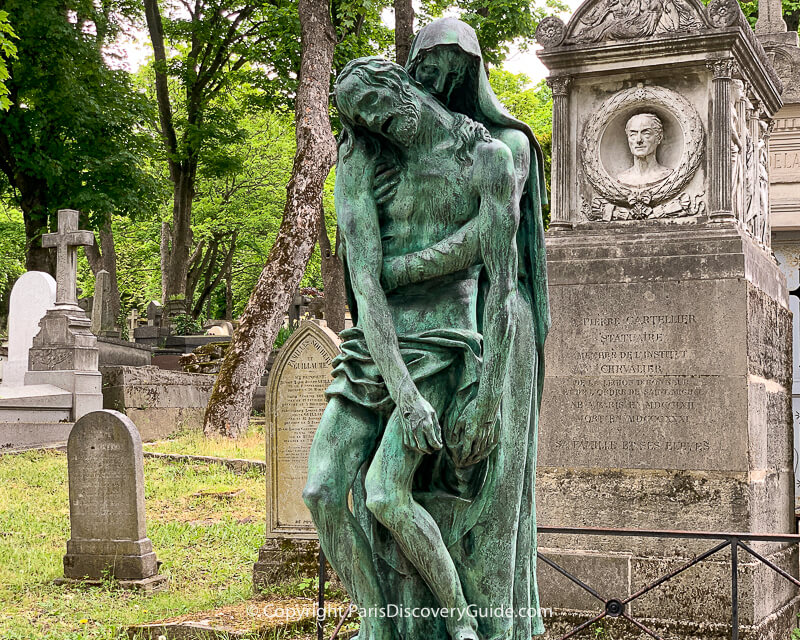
(560,217)
(720,183)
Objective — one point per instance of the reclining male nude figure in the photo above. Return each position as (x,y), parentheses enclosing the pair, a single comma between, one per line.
(457,193)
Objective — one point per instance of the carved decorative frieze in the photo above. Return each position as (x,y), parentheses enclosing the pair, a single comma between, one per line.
(642,187)
(619,20)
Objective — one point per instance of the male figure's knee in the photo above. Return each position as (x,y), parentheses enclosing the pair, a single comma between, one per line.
(380,501)
(320,496)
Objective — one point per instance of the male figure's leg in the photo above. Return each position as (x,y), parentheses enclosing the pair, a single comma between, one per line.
(389,497)
(346,437)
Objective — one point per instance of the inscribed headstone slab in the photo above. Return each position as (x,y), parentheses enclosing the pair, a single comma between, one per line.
(100,295)
(154,311)
(295,403)
(33,294)
(106,495)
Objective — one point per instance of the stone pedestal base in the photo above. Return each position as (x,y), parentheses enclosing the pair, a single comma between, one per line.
(123,560)
(666,406)
(146,585)
(284,559)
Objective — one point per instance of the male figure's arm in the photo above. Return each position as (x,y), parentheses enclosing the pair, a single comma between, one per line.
(498,222)
(358,221)
(461,249)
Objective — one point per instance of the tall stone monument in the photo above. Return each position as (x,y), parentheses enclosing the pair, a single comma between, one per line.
(669,363)
(782,47)
(294,405)
(106,504)
(64,352)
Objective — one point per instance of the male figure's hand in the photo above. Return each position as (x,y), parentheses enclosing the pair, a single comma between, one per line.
(384,184)
(421,430)
(476,435)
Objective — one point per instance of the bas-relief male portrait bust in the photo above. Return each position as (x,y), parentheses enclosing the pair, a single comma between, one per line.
(645,133)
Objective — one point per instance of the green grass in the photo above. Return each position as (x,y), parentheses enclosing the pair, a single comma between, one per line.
(206,535)
(250,446)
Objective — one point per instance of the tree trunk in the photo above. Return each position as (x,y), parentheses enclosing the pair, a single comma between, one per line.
(231,400)
(166,242)
(177,267)
(403,29)
(229,294)
(37,258)
(102,257)
(332,279)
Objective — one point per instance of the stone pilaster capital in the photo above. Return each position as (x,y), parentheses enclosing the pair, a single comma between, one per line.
(559,84)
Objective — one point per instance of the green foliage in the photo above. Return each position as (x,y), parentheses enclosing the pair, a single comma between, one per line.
(187,325)
(282,337)
(8,50)
(532,105)
(497,23)
(791,12)
(72,135)
(207,544)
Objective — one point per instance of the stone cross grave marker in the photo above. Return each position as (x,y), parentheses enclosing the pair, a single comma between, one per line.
(66,242)
(295,402)
(133,323)
(33,294)
(106,504)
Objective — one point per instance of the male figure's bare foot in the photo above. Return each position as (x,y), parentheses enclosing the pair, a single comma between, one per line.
(464,629)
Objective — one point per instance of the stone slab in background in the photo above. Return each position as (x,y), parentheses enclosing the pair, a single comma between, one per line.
(118,352)
(33,294)
(159,402)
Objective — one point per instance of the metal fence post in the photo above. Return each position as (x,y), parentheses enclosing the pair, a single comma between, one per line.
(734,588)
(321,597)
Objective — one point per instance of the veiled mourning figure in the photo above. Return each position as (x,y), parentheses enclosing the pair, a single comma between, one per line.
(471,500)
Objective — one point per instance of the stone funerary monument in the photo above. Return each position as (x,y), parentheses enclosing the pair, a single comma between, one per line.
(669,361)
(294,405)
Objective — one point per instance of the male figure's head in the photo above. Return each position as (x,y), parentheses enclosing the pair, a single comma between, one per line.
(645,132)
(381,97)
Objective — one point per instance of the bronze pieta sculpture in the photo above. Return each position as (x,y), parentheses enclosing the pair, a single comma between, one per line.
(432,414)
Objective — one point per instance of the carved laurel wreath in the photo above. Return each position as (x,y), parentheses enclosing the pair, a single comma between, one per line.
(612,189)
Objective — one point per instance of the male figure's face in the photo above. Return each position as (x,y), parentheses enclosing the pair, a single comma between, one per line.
(379,109)
(644,135)
(441,70)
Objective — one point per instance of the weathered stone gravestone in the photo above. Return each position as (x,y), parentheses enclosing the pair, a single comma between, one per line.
(669,360)
(33,294)
(294,405)
(106,504)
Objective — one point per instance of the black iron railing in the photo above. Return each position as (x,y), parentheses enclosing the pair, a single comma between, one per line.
(618,607)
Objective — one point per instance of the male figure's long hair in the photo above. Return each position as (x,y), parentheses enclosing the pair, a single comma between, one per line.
(374,72)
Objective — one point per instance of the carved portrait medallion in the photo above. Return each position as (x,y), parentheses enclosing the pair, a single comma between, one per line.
(639,151)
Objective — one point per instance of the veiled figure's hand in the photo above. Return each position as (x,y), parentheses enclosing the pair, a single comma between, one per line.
(421,429)
(476,436)
(384,184)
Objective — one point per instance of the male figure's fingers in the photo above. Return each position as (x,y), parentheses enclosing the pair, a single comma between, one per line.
(433,435)
(388,196)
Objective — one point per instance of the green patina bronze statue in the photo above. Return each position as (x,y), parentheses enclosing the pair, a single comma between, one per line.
(432,414)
